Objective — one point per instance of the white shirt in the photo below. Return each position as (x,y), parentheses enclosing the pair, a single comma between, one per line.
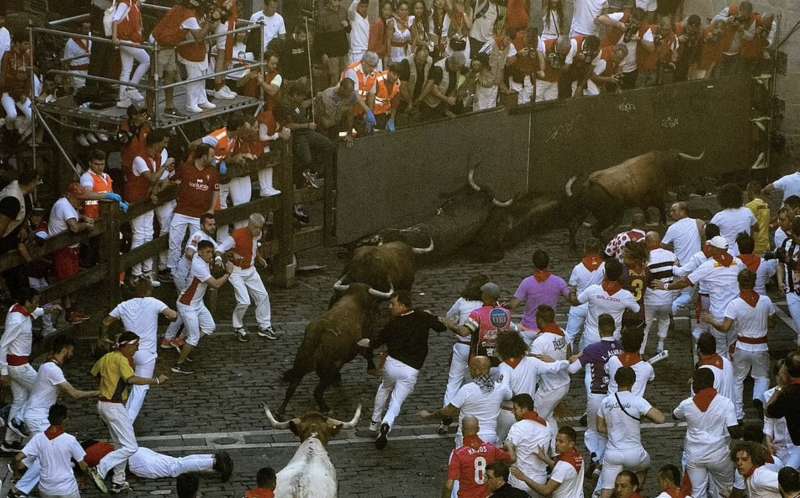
(528,437)
(659,266)
(17,336)
(490,46)
(140,167)
(359,30)
(763,483)
(623,431)
(550,29)
(629,63)
(5,45)
(724,379)
(459,313)
(273,25)
(199,274)
(644,374)
(707,436)
(749,321)
(61,211)
(140,316)
(45,389)
(75,54)
(525,376)
(571,480)
(789,185)
(55,457)
(776,428)
(721,282)
(600,303)
(685,239)
(485,407)
(483,26)
(554,346)
(87,179)
(732,222)
(766,270)
(581,277)
(584,15)
(779,237)
(647,5)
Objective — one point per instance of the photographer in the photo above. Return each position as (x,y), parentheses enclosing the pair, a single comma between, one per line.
(690,45)
(627,28)
(739,26)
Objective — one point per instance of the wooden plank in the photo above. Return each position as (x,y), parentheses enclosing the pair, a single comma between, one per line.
(308,194)
(14,258)
(242,211)
(143,252)
(304,239)
(72,285)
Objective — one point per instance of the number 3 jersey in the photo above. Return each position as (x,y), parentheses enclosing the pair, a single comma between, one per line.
(468,466)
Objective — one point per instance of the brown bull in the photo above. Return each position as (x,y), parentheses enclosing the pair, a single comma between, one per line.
(384,265)
(330,340)
(640,182)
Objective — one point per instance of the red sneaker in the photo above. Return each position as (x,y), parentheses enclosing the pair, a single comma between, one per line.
(76,317)
(166,344)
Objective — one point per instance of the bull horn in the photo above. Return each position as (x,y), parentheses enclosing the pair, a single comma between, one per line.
(471,180)
(759,164)
(348,425)
(568,187)
(275,424)
(503,204)
(687,157)
(423,250)
(339,286)
(382,295)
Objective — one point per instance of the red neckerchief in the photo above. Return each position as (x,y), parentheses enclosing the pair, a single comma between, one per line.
(513,362)
(611,287)
(751,261)
(750,296)
(53,432)
(532,415)
(713,360)
(259,493)
(83,43)
(473,442)
(552,328)
(541,275)
(573,458)
(675,492)
(18,308)
(770,458)
(795,382)
(724,259)
(686,485)
(629,359)
(747,475)
(704,397)
(592,263)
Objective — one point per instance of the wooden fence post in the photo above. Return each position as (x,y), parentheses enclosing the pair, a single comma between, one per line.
(285,263)
(109,253)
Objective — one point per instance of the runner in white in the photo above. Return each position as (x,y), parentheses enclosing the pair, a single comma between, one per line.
(776,431)
(620,418)
(658,303)
(789,272)
(684,238)
(566,478)
(669,480)
(724,377)
(750,459)
(529,436)
(140,316)
(764,269)
(196,317)
(748,315)
(590,271)
(553,386)
(708,417)
(630,357)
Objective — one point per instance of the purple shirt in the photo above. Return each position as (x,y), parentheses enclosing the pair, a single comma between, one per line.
(596,355)
(534,293)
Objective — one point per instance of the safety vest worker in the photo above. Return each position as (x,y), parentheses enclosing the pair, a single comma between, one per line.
(96,180)
(387,88)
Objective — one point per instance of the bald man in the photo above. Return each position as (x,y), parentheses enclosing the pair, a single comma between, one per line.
(467,469)
(685,238)
(657,302)
(482,398)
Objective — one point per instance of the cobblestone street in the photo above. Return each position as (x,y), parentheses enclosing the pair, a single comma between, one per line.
(220,406)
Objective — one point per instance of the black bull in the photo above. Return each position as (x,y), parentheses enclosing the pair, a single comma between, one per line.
(640,182)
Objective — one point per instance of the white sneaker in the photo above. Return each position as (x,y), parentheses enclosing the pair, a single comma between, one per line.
(193,109)
(374,426)
(660,347)
(81,139)
(270,192)
(124,102)
(135,94)
(226,93)
(101,136)
(91,138)
(154,283)
(207,105)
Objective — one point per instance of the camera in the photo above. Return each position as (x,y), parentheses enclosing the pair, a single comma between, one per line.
(554,60)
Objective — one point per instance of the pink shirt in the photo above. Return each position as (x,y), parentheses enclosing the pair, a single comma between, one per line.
(534,294)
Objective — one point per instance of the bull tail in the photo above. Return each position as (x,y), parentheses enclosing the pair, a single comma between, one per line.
(306,358)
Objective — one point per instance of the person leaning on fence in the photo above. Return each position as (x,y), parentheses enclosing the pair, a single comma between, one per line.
(127,27)
(13,214)
(97,185)
(15,83)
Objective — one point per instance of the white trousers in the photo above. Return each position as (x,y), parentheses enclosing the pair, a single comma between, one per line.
(683,301)
(524,90)
(546,90)
(504,422)
(145,366)
(575,320)
(459,371)
(142,233)
(196,319)
(177,232)
(195,92)
(36,420)
(398,382)
(127,55)
(149,464)
(180,277)
(711,477)
(79,81)
(656,316)
(164,214)
(594,440)
(241,191)
(120,427)
(756,364)
(247,284)
(615,461)
(545,403)
(22,378)
(10,107)
(265,184)
(793,301)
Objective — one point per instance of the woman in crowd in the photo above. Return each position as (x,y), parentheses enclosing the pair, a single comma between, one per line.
(419,30)
(438,27)
(398,31)
(553,20)
(458,32)
(378,33)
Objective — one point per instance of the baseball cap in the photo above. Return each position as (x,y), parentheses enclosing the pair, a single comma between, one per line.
(491,289)
(719,242)
(370,58)
(75,189)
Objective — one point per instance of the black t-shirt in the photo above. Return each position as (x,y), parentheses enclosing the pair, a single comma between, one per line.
(787,405)
(406,337)
(294,60)
(9,207)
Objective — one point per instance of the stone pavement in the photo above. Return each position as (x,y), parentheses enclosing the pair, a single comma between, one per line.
(220,406)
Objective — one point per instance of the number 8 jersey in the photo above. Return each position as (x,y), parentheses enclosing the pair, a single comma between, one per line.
(468,466)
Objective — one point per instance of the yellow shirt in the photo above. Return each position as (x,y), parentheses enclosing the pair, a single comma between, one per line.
(114,370)
(760,210)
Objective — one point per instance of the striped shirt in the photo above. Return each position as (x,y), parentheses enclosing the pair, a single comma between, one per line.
(659,267)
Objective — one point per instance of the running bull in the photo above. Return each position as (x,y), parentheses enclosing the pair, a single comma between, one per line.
(640,182)
(330,340)
(310,473)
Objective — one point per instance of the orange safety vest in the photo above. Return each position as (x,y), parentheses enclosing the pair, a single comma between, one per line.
(224,145)
(365,81)
(101,185)
(168,33)
(137,187)
(384,95)
(130,28)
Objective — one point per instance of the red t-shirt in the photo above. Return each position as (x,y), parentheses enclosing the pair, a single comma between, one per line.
(468,467)
(196,190)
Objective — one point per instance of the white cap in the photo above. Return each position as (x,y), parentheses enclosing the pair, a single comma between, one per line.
(719,242)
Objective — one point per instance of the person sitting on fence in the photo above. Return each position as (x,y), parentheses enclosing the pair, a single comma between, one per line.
(127,28)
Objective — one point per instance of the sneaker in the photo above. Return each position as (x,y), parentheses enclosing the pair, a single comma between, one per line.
(98,481)
(660,347)
(15,493)
(6,447)
(81,139)
(76,317)
(223,464)
(301,215)
(91,138)
(312,179)
(269,192)
(166,344)
(207,105)
(155,283)
(124,103)
(268,332)
(135,94)
(224,93)
(381,441)
(181,369)
(101,136)
(374,426)
(193,109)
(19,428)
(241,334)
(117,488)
